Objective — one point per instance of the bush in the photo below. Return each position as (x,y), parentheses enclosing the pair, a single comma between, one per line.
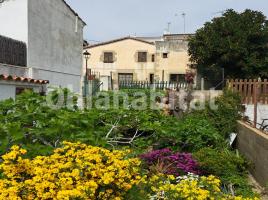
(188,187)
(75,171)
(224,119)
(167,162)
(39,128)
(228,166)
(187,135)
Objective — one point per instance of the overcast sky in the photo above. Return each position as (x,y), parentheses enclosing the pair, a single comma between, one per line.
(109,19)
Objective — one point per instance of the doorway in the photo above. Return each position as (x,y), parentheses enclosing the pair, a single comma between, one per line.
(151,78)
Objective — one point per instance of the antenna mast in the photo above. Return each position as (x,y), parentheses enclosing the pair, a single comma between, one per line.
(168,28)
(184,21)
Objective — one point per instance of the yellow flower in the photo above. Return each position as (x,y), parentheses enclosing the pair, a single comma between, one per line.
(74,171)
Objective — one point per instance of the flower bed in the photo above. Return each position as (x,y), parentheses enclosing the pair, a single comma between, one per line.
(167,162)
(78,171)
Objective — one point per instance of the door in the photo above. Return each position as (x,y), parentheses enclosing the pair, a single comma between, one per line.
(151,78)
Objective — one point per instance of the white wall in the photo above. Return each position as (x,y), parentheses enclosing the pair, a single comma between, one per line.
(13,19)
(262,113)
(55,43)
(7,91)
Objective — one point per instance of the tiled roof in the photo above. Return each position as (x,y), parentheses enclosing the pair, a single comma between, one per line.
(118,40)
(22,79)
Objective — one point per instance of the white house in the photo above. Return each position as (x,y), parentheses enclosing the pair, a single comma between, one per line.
(53,34)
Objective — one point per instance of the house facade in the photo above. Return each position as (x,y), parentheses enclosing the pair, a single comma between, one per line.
(140,59)
(53,35)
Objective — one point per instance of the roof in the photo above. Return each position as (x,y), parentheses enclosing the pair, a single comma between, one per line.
(75,13)
(22,79)
(118,40)
(177,36)
(151,39)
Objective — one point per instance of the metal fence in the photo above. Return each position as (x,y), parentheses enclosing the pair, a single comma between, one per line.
(161,85)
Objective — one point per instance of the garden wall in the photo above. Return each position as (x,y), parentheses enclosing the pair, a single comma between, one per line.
(253,144)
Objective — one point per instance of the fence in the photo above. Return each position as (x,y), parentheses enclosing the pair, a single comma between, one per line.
(252,90)
(161,85)
(13,52)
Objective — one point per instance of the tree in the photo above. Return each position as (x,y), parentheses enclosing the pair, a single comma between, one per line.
(235,42)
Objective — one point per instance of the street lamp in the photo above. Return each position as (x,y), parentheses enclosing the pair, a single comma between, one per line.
(86,56)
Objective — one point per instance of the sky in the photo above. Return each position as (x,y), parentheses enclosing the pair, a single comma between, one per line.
(110,19)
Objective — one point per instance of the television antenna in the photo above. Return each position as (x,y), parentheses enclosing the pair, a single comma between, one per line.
(168,27)
(184,20)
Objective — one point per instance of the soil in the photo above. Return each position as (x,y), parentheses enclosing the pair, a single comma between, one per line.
(257,188)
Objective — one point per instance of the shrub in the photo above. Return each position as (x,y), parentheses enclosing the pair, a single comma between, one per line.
(75,171)
(228,166)
(187,135)
(40,128)
(160,187)
(167,162)
(224,119)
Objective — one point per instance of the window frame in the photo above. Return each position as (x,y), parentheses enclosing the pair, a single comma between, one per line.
(165,55)
(179,78)
(110,58)
(125,79)
(142,56)
(153,57)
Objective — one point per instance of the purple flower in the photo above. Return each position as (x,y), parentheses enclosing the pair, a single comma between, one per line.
(168,162)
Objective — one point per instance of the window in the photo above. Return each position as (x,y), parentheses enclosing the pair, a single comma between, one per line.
(142,56)
(153,58)
(126,77)
(177,77)
(165,55)
(108,57)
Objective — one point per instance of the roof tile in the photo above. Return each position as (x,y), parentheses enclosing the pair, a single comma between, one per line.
(22,79)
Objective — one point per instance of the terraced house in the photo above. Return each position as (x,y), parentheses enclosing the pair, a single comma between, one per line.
(140,59)
(41,40)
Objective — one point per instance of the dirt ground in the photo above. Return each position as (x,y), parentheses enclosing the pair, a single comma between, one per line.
(257,188)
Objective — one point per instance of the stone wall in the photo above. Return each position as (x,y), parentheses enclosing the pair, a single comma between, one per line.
(253,144)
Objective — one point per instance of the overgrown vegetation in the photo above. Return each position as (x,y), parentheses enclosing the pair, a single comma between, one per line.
(229,166)
(40,128)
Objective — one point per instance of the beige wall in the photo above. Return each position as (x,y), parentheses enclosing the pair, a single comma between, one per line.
(126,56)
(253,144)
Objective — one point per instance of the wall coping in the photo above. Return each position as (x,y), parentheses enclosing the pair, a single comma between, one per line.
(258,132)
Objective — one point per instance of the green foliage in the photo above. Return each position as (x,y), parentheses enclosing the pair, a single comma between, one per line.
(40,127)
(40,123)
(224,118)
(230,167)
(186,135)
(236,42)
(30,122)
